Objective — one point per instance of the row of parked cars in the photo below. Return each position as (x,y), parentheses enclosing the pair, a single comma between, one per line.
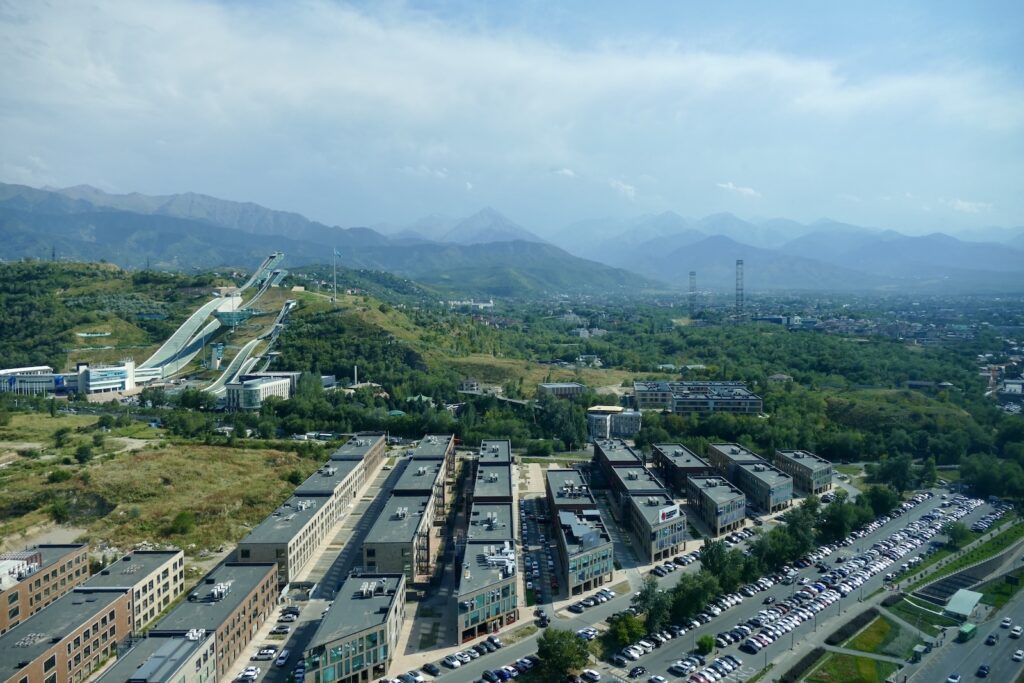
(991,518)
(695,667)
(601,596)
(486,646)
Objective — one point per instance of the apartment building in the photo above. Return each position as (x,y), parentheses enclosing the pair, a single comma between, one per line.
(69,639)
(403,540)
(585,549)
(190,657)
(561,389)
(811,473)
(337,483)
(726,457)
(232,602)
(425,478)
(611,454)
(697,398)
(675,462)
(656,524)
(153,578)
(767,488)
(439,447)
(358,637)
(567,490)
(609,422)
(290,535)
(33,578)
(716,502)
(366,448)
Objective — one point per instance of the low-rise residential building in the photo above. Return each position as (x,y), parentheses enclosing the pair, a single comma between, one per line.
(675,462)
(811,473)
(153,578)
(249,394)
(567,490)
(336,480)
(358,637)
(33,578)
(232,602)
(69,639)
(186,658)
(767,488)
(697,398)
(656,524)
(726,457)
(585,549)
(289,536)
(435,447)
(627,482)
(611,454)
(403,540)
(610,422)
(716,502)
(423,478)
(486,593)
(561,389)
(493,484)
(366,448)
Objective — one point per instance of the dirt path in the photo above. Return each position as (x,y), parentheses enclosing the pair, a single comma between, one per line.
(42,533)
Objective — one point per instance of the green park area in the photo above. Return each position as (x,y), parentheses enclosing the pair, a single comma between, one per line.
(884,637)
(842,668)
(923,619)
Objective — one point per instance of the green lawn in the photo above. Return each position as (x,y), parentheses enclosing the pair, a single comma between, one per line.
(883,636)
(991,547)
(925,620)
(841,668)
(997,592)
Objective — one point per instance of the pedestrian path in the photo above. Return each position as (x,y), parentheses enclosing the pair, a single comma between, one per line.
(860,653)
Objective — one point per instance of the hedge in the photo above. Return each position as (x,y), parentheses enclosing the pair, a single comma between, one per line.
(798,670)
(847,630)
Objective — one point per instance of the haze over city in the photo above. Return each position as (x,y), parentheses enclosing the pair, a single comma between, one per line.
(907,117)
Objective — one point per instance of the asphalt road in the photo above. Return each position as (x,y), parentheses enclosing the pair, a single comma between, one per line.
(965,658)
(658,661)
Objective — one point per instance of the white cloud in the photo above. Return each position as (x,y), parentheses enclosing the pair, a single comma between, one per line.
(965,206)
(424,171)
(567,172)
(625,189)
(469,185)
(743,191)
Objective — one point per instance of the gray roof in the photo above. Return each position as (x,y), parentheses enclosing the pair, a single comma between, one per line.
(559,479)
(49,555)
(561,385)
(326,480)
(495,452)
(678,455)
(357,447)
(156,659)
(493,481)
(32,637)
(352,613)
(433,447)
(804,459)
(636,480)
(286,522)
(618,453)
(418,477)
(717,489)
(128,570)
(480,530)
(768,474)
(696,389)
(390,527)
(735,452)
(651,506)
(583,530)
(481,573)
(963,602)
(203,610)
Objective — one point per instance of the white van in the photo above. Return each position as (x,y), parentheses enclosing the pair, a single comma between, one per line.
(282,659)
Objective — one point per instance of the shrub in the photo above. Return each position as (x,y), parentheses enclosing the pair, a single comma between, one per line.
(847,630)
(183,523)
(57,476)
(805,664)
(705,644)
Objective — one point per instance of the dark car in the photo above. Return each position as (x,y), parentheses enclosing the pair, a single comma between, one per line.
(769,600)
(432,669)
(992,639)
(983,671)
(637,672)
(491,677)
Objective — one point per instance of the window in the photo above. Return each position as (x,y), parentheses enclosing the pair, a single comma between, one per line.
(50,663)
(245,553)
(371,552)
(13,598)
(13,612)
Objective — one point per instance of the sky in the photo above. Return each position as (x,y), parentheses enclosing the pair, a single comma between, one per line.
(899,115)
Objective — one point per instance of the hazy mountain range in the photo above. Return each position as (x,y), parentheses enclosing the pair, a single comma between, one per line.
(487,253)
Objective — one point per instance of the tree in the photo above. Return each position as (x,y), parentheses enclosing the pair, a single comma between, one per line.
(560,652)
(705,644)
(624,628)
(928,474)
(653,602)
(294,477)
(183,523)
(881,499)
(83,454)
(957,534)
(105,422)
(691,593)
(61,437)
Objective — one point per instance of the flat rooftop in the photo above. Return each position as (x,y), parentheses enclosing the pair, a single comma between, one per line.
(651,507)
(285,522)
(493,481)
(34,636)
(678,455)
(418,477)
(326,480)
(717,489)
(357,447)
(495,453)
(490,522)
(155,659)
(636,480)
(568,487)
(717,390)
(208,610)
(393,527)
(561,385)
(50,555)
(618,453)
(128,570)
(433,447)
(735,452)
(804,459)
(768,474)
(356,608)
(583,530)
(483,572)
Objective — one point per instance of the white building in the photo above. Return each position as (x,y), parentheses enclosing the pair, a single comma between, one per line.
(250,394)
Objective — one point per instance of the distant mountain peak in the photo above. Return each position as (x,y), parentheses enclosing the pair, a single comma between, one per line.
(488,225)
